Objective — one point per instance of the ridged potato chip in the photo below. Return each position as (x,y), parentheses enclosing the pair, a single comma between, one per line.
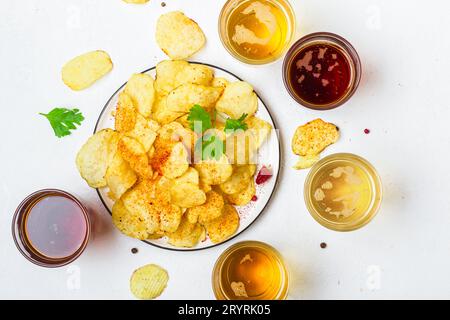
(82,71)
(196,74)
(224,226)
(134,153)
(187,235)
(131,223)
(178,36)
(125,115)
(214,172)
(239,179)
(148,282)
(242,197)
(313,137)
(187,195)
(140,89)
(238,98)
(119,176)
(166,75)
(210,210)
(184,97)
(95,156)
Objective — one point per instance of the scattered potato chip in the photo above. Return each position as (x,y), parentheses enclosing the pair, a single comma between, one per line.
(125,116)
(136,1)
(313,137)
(306,162)
(134,153)
(166,75)
(220,82)
(119,176)
(178,36)
(224,226)
(210,210)
(130,223)
(214,172)
(95,156)
(243,197)
(239,179)
(148,282)
(196,74)
(140,89)
(187,195)
(82,71)
(187,235)
(184,97)
(238,98)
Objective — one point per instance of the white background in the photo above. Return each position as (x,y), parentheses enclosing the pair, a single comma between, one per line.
(403,99)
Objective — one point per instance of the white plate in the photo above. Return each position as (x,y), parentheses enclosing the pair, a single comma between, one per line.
(269,155)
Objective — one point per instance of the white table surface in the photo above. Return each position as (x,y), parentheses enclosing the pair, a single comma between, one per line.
(402,99)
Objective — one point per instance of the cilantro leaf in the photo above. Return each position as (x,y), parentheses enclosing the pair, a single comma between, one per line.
(63,120)
(236,124)
(199,119)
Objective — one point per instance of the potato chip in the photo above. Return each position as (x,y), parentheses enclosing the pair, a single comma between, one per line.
(119,176)
(239,179)
(306,161)
(130,223)
(148,282)
(140,89)
(224,226)
(134,153)
(187,235)
(166,75)
(313,137)
(170,218)
(196,74)
(178,36)
(187,195)
(170,158)
(141,203)
(241,147)
(238,98)
(95,156)
(242,197)
(144,131)
(260,129)
(190,176)
(174,131)
(213,171)
(208,211)
(125,116)
(184,97)
(220,82)
(82,71)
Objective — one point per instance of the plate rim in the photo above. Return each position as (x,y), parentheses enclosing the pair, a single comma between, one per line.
(275,187)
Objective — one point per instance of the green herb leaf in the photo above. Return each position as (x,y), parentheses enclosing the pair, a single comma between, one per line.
(236,124)
(63,120)
(199,119)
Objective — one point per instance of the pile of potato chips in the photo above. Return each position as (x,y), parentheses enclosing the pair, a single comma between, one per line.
(147,160)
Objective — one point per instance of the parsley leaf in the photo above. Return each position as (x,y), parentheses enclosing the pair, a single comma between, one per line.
(236,124)
(63,120)
(199,119)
